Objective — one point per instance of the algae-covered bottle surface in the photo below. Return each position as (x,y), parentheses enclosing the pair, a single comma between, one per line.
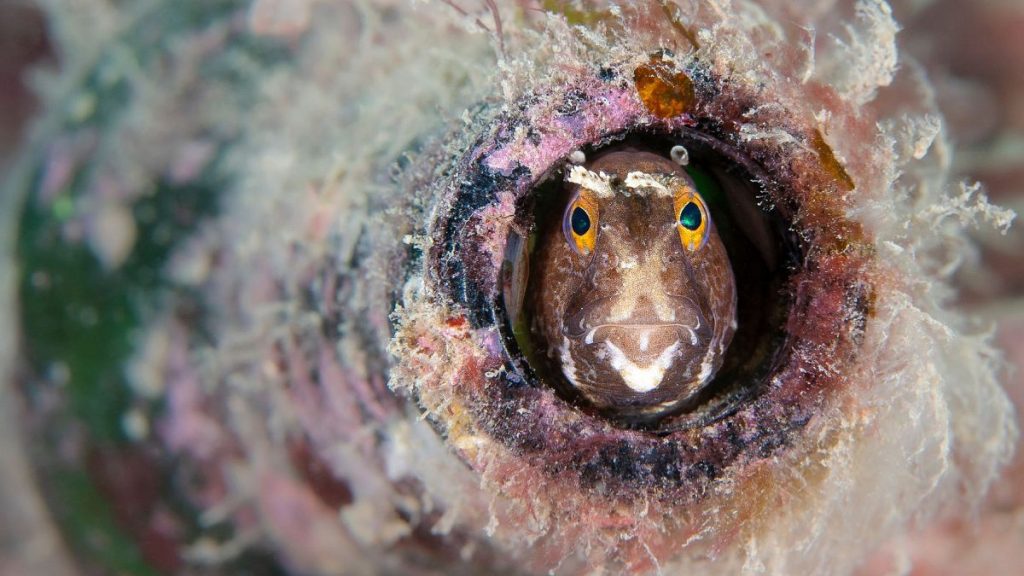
(468,287)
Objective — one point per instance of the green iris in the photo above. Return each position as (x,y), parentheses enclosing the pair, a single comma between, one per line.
(689,216)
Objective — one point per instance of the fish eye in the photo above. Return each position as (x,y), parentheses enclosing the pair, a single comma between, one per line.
(691,218)
(579,225)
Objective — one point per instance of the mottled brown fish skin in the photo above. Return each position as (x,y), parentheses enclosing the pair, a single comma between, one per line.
(637,327)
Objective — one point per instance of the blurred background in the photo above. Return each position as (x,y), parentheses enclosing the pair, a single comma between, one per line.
(974,54)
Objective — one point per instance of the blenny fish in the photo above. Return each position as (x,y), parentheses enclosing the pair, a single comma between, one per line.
(635,297)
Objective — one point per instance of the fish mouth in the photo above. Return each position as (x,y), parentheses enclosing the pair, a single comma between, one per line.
(595,321)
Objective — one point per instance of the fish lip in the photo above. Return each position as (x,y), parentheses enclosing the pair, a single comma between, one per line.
(636,325)
(628,324)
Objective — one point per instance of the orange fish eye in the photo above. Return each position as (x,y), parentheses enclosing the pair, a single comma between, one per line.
(692,219)
(580,223)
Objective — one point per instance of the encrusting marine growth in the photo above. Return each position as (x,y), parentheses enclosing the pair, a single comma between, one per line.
(566,287)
